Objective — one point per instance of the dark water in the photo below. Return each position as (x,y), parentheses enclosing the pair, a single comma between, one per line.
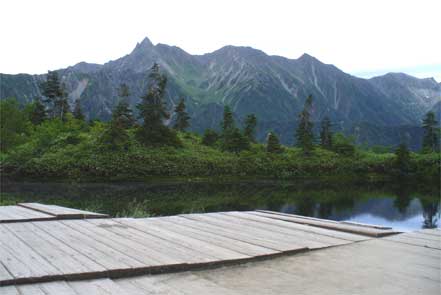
(402,206)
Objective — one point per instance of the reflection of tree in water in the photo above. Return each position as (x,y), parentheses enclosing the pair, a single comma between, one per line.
(325,210)
(430,213)
(305,206)
(402,200)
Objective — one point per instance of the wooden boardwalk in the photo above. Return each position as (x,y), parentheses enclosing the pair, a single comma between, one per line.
(78,256)
(38,212)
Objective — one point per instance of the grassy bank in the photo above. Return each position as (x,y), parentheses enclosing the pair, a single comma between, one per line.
(66,152)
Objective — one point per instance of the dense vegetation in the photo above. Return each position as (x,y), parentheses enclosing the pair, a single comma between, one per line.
(46,139)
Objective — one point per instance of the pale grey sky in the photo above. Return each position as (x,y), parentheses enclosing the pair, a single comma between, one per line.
(359,36)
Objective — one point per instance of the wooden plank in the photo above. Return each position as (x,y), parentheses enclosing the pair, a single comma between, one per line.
(196,221)
(365,224)
(20,260)
(177,224)
(96,251)
(10,290)
(64,258)
(189,242)
(30,289)
(415,241)
(139,251)
(158,244)
(277,236)
(313,241)
(58,287)
(62,212)
(100,286)
(423,236)
(434,232)
(17,213)
(335,226)
(304,228)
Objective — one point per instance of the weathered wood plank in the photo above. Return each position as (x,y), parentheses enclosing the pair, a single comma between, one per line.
(96,251)
(408,239)
(177,224)
(100,286)
(20,259)
(329,225)
(189,242)
(175,251)
(311,240)
(260,231)
(198,222)
(138,251)
(305,228)
(62,212)
(11,290)
(64,258)
(20,214)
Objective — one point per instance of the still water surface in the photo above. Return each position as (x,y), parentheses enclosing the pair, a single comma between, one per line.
(402,206)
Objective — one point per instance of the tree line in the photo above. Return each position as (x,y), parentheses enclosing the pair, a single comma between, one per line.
(150,130)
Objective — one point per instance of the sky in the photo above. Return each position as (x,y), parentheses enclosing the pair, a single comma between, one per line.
(361,37)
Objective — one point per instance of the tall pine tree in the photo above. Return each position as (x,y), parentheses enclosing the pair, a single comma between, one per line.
(402,159)
(228,121)
(250,127)
(153,113)
(122,109)
(273,145)
(326,134)
(78,112)
(182,117)
(38,112)
(304,134)
(55,96)
(431,133)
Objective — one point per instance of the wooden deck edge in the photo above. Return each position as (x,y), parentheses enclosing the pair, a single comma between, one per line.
(148,270)
(65,216)
(330,226)
(28,220)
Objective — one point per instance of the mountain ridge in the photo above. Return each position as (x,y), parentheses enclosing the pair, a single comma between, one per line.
(250,81)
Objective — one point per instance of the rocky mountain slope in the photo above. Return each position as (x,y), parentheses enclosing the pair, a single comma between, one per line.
(381,110)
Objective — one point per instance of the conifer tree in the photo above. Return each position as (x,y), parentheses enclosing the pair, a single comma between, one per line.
(55,95)
(273,144)
(77,112)
(304,135)
(431,133)
(122,110)
(228,121)
(326,134)
(235,141)
(115,137)
(210,137)
(402,160)
(250,127)
(182,117)
(38,112)
(152,111)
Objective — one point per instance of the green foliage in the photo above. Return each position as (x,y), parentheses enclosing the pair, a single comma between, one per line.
(228,121)
(326,134)
(182,117)
(210,137)
(431,134)
(304,134)
(273,144)
(55,96)
(380,149)
(37,112)
(153,112)
(402,161)
(343,145)
(14,124)
(235,141)
(250,127)
(78,113)
(123,114)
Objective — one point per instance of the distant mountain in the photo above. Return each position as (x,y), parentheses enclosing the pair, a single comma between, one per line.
(381,110)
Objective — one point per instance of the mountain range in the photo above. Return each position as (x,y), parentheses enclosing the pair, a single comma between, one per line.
(382,110)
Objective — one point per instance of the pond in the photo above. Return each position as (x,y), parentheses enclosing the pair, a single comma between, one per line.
(399,205)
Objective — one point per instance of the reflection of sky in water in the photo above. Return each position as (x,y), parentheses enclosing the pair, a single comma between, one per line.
(378,211)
